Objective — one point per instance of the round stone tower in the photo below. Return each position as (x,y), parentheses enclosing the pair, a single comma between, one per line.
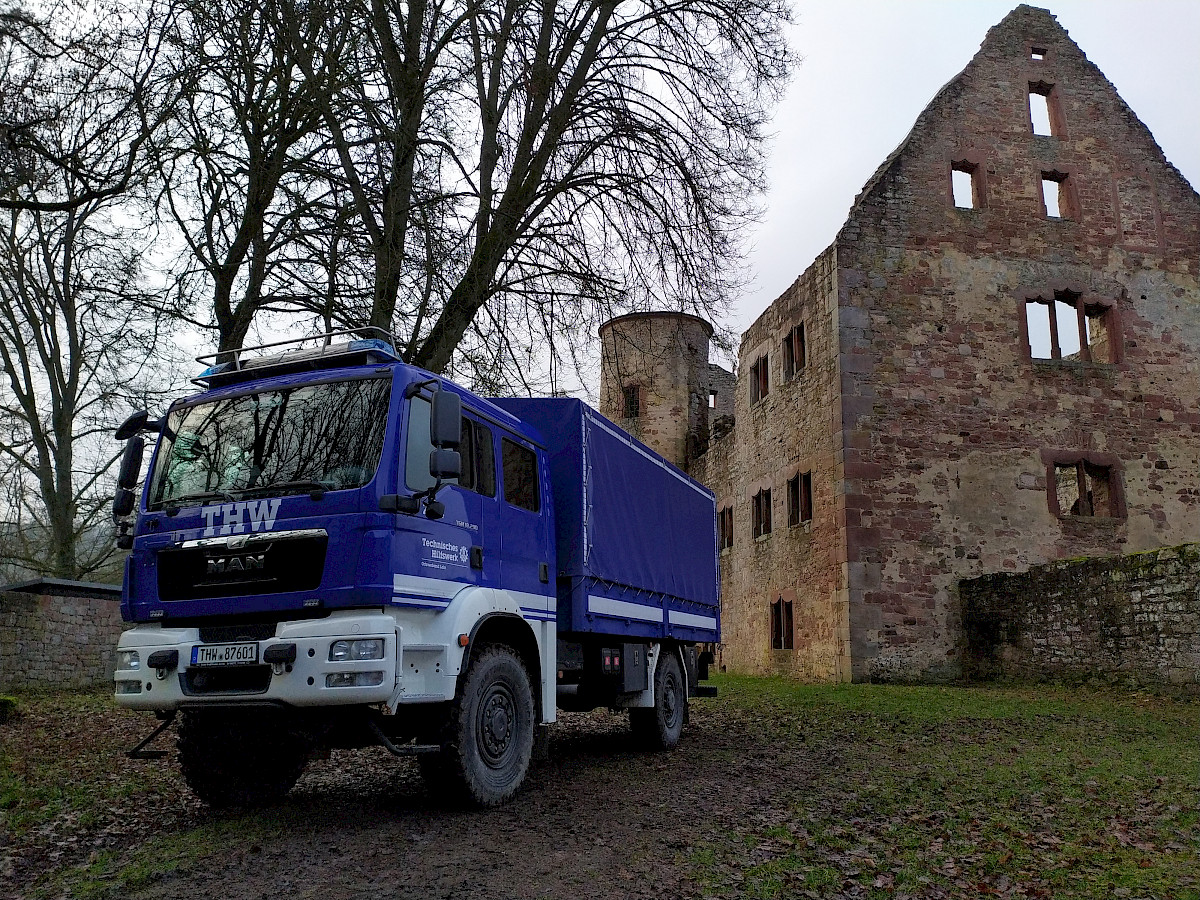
(654,380)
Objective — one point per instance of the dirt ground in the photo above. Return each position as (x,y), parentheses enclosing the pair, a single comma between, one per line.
(778,790)
(600,818)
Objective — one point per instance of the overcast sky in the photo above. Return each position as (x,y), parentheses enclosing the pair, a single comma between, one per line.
(869,67)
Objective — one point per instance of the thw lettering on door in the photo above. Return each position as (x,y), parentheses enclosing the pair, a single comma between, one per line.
(258,515)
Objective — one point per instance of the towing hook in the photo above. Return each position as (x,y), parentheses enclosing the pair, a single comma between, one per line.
(162,662)
(281,657)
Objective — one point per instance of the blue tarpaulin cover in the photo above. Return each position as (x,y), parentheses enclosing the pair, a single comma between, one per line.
(636,537)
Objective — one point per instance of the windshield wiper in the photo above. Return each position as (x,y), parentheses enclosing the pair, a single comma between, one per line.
(174,504)
(316,489)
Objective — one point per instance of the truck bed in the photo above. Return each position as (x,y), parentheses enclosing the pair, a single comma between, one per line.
(636,537)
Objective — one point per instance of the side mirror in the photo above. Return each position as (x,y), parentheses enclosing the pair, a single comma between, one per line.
(131,426)
(445,422)
(131,462)
(123,503)
(138,422)
(445,464)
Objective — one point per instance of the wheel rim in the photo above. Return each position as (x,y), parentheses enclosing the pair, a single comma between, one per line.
(671,704)
(495,725)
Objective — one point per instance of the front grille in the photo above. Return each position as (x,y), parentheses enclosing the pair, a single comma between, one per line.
(229,680)
(246,631)
(259,564)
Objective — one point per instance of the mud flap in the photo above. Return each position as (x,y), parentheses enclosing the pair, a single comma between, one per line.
(541,743)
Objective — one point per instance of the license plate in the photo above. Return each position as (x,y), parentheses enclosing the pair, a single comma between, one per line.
(225,654)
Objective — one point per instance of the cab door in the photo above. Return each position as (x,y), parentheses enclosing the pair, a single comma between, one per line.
(483,483)
(436,557)
(524,524)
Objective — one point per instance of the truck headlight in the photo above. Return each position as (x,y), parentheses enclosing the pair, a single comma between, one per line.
(128,659)
(369,648)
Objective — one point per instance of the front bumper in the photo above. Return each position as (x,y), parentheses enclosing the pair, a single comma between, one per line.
(302,681)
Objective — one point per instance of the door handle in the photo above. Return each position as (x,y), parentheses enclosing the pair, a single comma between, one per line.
(476,557)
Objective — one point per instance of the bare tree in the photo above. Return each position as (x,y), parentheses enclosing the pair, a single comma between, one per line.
(77,328)
(103,58)
(489,180)
(575,159)
(238,126)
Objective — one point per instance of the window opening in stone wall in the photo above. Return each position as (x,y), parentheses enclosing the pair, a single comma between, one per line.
(760,384)
(795,352)
(712,399)
(782,624)
(725,528)
(1038,53)
(963,184)
(761,513)
(1051,191)
(1066,318)
(1037,322)
(1063,327)
(799,498)
(1054,328)
(1054,195)
(633,401)
(1039,110)
(1084,489)
(1101,343)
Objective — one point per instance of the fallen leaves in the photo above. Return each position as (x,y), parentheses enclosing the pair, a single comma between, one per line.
(779,790)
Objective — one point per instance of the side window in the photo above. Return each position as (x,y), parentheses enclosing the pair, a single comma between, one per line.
(485,460)
(478,458)
(477,450)
(466,452)
(520,475)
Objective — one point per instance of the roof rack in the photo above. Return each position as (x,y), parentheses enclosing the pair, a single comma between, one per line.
(364,346)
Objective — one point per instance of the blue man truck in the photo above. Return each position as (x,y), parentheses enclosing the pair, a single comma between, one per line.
(333,549)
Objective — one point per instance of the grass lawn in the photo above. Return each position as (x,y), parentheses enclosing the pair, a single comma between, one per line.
(874,792)
(967,792)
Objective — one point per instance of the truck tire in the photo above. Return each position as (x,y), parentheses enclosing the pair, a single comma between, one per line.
(490,732)
(238,758)
(659,727)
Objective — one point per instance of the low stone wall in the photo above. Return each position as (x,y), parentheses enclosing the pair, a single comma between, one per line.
(1133,618)
(51,640)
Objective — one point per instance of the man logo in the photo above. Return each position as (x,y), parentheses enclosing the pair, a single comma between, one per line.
(223,565)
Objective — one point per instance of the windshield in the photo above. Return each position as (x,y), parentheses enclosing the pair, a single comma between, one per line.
(316,436)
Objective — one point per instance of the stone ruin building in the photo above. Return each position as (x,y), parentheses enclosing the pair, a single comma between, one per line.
(993,366)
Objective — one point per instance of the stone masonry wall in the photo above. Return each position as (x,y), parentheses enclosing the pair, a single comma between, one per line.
(722,389)
(786,432)
(1135,617)
(950,430)
(48,641)
(665,357)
